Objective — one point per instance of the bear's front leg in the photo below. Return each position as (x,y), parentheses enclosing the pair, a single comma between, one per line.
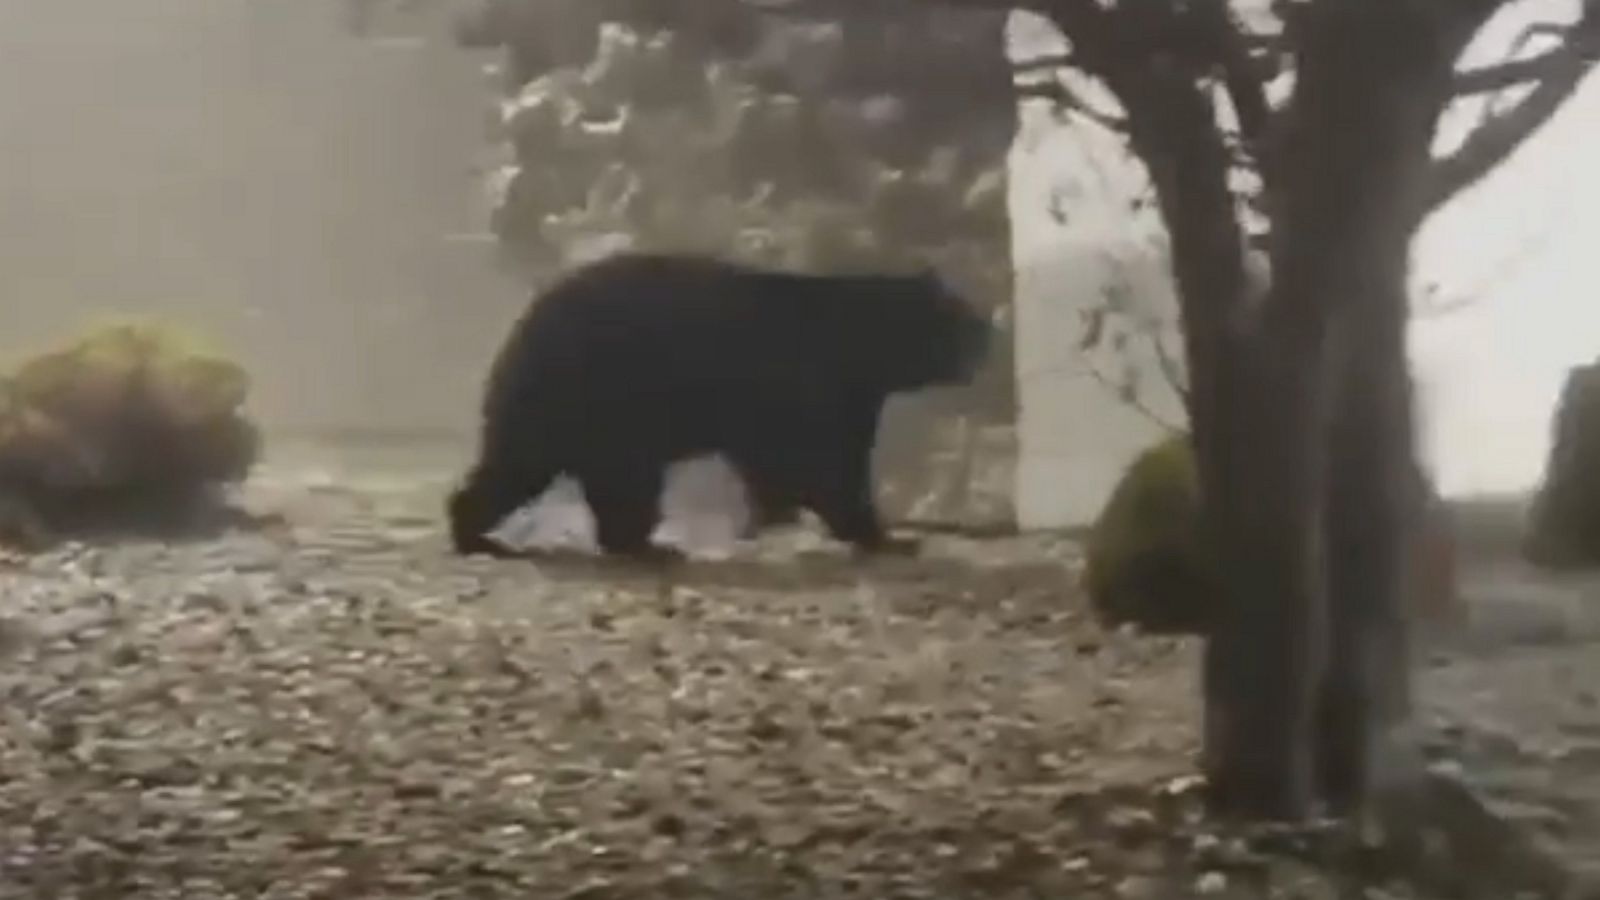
(490,492)
(625,497)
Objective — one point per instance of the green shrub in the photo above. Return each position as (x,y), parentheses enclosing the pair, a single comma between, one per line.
(1146,566)
(1144,563)
(129,421)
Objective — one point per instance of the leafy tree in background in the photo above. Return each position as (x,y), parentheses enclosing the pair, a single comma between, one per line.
(1290,145)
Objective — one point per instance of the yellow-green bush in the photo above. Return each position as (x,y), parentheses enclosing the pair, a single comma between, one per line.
(1146,567)
(1144,563)
(128,418)
(180,380)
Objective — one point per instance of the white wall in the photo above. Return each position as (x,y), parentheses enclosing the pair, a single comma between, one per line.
(1074,435)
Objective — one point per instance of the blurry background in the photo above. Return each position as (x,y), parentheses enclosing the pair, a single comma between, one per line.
(310,198)
(255,171)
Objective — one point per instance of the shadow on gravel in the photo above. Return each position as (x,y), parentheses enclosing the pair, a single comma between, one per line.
(801,572)
(91,524)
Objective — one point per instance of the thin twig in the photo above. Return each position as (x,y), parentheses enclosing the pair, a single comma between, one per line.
(1128,399)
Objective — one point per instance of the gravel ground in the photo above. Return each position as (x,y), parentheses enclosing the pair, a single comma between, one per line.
(332,706)
(1515,702)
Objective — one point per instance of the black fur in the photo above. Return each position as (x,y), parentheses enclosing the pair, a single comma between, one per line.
(634,362)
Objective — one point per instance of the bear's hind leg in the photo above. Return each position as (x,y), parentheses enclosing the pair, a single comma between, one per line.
(772,505)
(851,515)
(843,496)
(490,492)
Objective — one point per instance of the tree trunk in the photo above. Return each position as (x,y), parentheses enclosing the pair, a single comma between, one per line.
(1264,659)
(1299,405)
(1356,155)
(1374,506)
(1257,395)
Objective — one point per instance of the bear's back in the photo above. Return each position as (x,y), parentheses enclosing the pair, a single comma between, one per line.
(655,315)
(643,325)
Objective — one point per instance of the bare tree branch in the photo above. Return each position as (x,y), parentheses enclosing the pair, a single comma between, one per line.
(1242,75)
(1173,129)
(1171,372)
(1127,397)
(1500,135)
(1488,79)
(1493,142)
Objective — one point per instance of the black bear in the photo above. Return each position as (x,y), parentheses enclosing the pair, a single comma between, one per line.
(636,361)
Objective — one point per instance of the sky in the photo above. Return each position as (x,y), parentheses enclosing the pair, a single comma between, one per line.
(1524,248)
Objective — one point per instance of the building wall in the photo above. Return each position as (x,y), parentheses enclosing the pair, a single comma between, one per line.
(1074,434)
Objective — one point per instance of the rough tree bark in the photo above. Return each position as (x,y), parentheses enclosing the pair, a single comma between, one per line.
(1345,246)
(1257,368)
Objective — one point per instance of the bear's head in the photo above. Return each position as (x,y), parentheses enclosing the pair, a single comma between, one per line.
(933,335)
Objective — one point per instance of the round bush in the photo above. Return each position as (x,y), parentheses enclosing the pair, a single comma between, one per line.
(127,420)
(1144,564)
